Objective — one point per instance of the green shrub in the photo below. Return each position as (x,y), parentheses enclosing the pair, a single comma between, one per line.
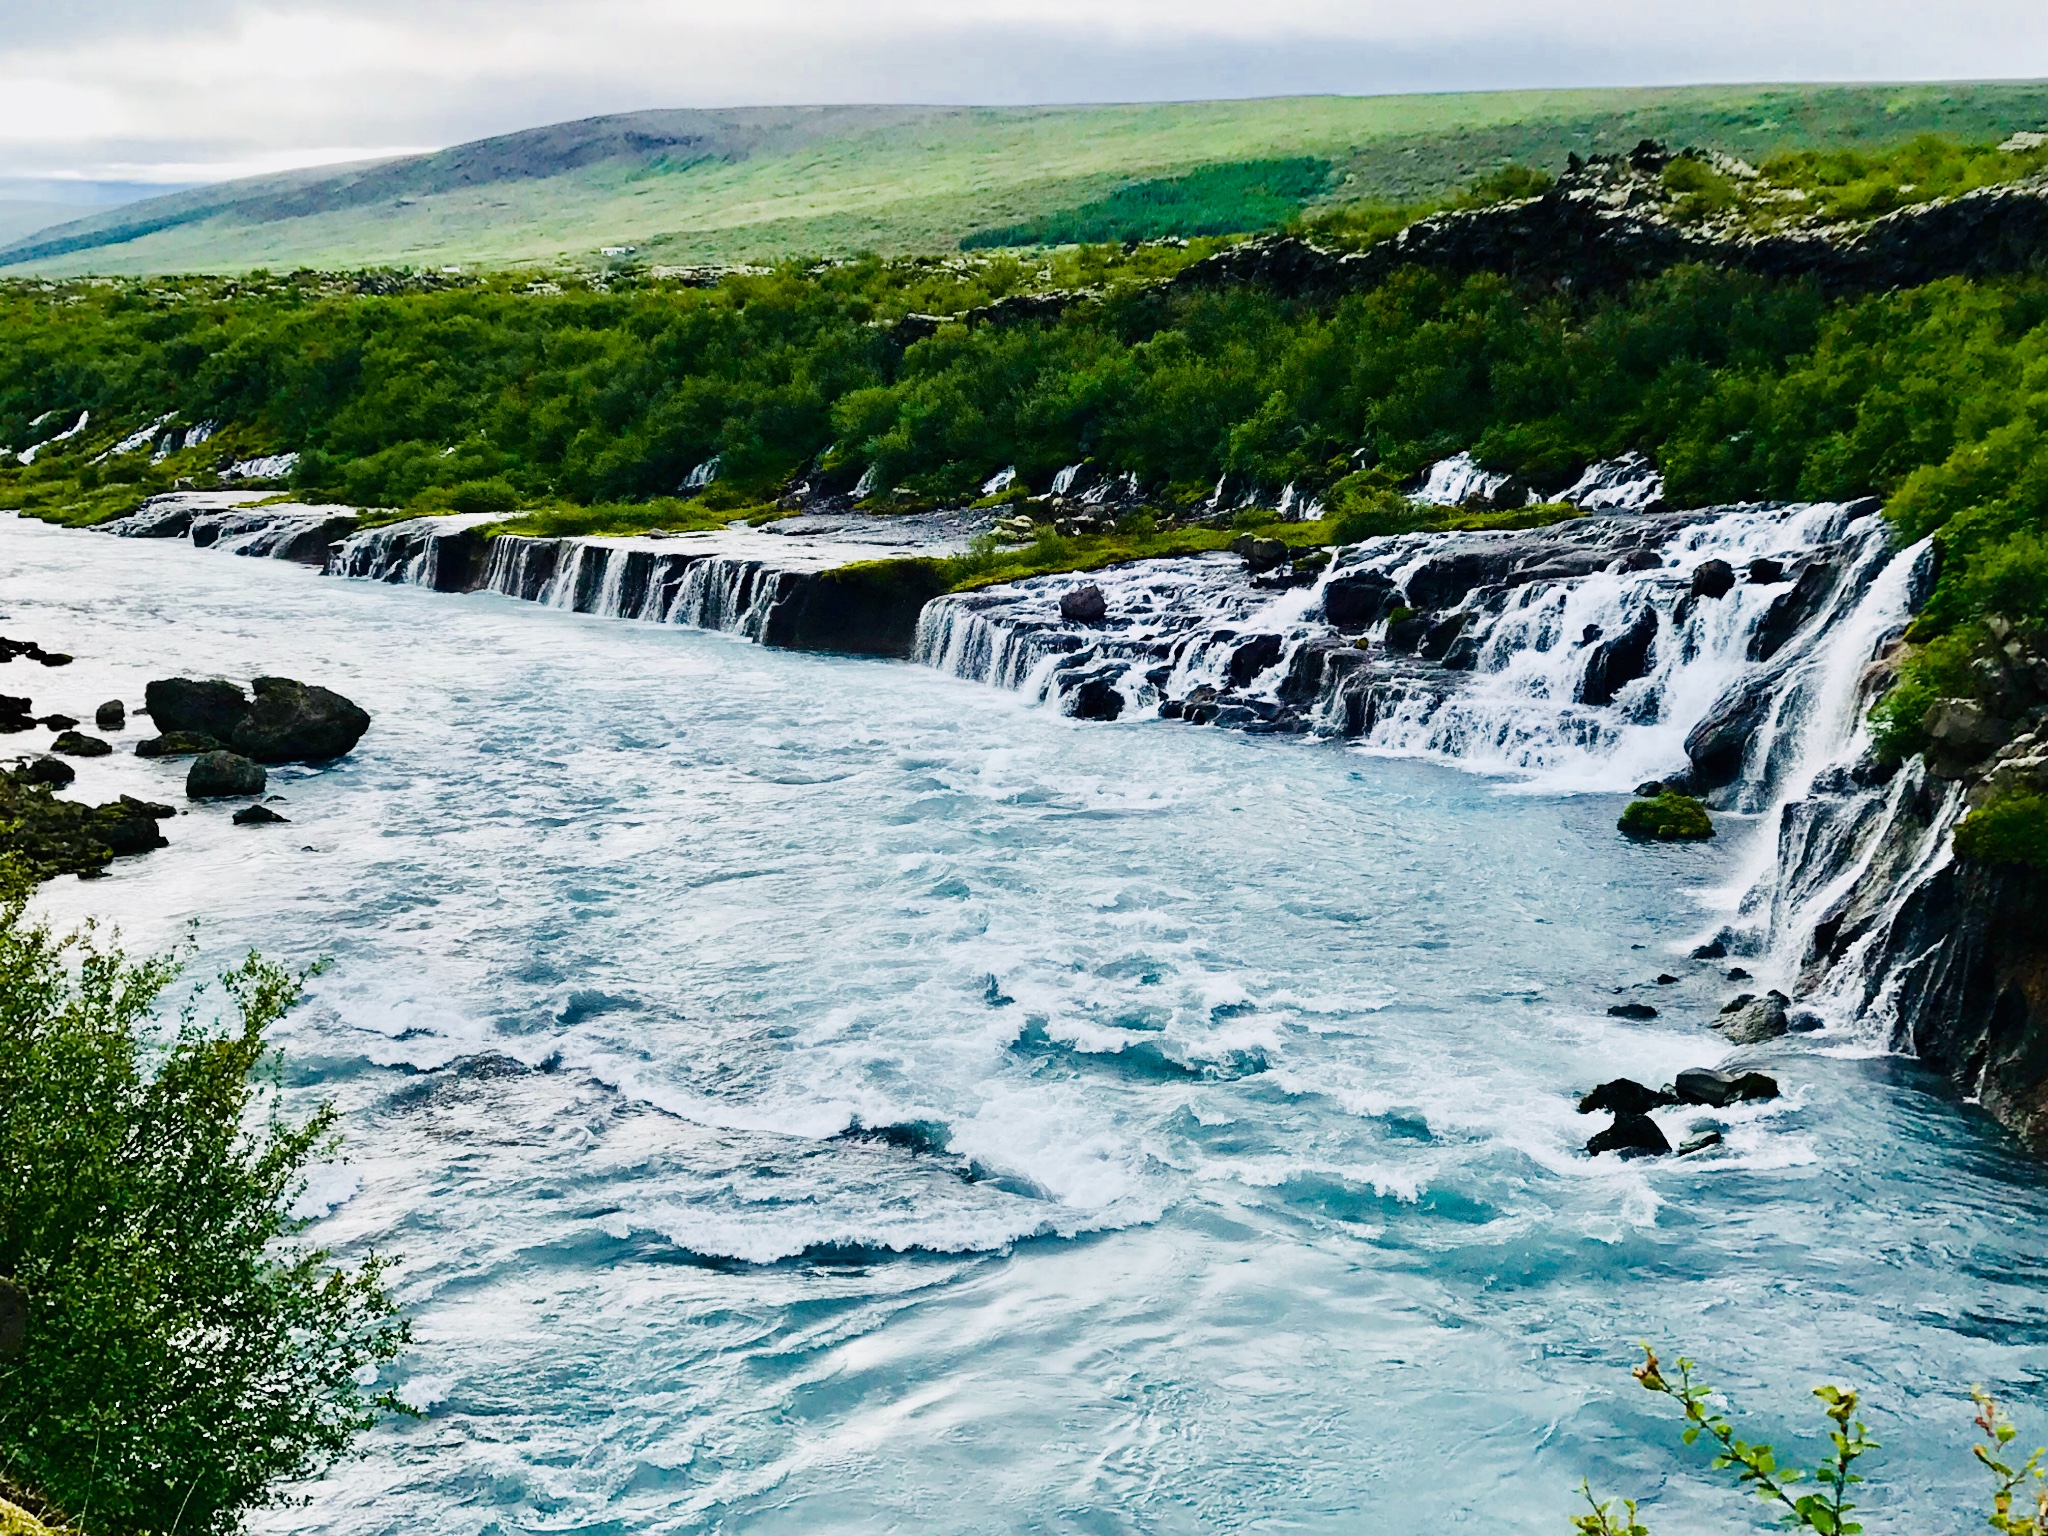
(2012,828)
(493,495)
(1668,818)
(1212,200)
(184,1354)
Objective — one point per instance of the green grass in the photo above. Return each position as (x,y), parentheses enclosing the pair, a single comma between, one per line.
(896,181)
(1214,200)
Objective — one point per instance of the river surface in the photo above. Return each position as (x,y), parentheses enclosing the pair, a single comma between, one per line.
(1237,1185)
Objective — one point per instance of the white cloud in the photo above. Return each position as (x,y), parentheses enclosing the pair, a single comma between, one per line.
(182,90)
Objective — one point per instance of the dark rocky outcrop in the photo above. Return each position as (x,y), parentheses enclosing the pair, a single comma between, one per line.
(257,816)
(1632,1011)
(223,775)
(1625,1096)
(192,707)
(293,722)
(1359,601)
(1607,223)
(1631,1135)
(1713,579)
(1616,663)
(73,744)
(1084,605)
(52,771)
(52,836)
(110,716)
(286,722)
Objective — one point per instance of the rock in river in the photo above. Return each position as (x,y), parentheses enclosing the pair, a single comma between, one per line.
(298,723)
(1624,1096)
(73,744)
(176,744)
(1717,1090)
(1084,605)
(1631,1136)
(217,775)
(184,706)
(111,716)
(257,816)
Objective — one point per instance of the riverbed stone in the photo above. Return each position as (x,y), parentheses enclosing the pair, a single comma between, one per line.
(75,744)
(111,716)
(220,775)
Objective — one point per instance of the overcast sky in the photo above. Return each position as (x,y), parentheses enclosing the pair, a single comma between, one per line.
(191,90)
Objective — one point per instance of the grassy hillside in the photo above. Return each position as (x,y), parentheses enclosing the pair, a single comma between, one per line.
(736,186)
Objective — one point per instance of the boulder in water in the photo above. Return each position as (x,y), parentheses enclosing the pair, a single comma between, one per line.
(1095,698)
(1713,578)
(1630,1136)
(58,722)
(14,714)
(1699,1143)
(175,744)
(1084,605)
(72,744)
(193,707)
(1752,1020)
(1358,600)
(111,716)
(52,771)
(1667,818)
(257,816)
(1717,1090)
(1253,656)
(1763,571)
(295,722)
(220,775)
(1713,949)
(1625,1096)
(1719,745)
(1632,1011)
(1260,555)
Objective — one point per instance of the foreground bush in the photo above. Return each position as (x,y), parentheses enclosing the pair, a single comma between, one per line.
(1827,1507)
(183,1356)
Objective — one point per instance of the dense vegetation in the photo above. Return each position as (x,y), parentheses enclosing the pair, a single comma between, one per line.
(183,1353)
(1215,200)
(592,401)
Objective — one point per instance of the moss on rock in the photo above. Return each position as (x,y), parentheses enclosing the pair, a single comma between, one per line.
(1668,818)
(2011,829)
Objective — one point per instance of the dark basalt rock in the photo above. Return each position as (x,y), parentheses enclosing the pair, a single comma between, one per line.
(52,836)
(1625,1096)
(1632,1011)
(1699,1143)
(1713,949)
(1763,571)
(220,775)
(1631,1136)
(1719,745)
(1782,620)
(72,744)
(14,714)
(1437,641)
(1713,579)
(295,722)
(58,722)
(1717,1090)
(1252,657)
(1359,601)
(175,744)
(1616,663)
(1084,605)
(110,716)
(190,707)
(52,771)
(257,816)
(1406,634)
(1094,698)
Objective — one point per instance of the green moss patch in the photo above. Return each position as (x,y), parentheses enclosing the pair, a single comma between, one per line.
(1669,818)
(2012,829)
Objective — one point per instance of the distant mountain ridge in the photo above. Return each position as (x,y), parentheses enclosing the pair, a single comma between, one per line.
(711,185)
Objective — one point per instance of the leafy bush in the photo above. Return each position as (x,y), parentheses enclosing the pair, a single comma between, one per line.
(1828,1507)
(184,1354)
(2012,828)
(1667,818)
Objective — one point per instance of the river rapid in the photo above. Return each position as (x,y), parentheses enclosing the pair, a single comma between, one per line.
(1235,1179)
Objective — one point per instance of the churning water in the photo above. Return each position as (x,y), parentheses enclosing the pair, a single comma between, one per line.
(1220,1168)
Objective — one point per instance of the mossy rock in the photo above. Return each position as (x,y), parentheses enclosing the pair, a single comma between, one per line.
(16,1521)
(1669,818)
(2009,829)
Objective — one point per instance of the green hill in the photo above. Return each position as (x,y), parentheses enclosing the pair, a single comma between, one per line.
(756,184)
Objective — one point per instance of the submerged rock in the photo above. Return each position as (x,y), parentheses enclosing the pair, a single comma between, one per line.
(72,744)
(111,716)
(1631,1135)
(1717,1090)
(220,775)
(175,744)
(1632,1011)
(257,816)
(1699,1143)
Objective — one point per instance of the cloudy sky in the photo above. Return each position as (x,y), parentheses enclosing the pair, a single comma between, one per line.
(170,91)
